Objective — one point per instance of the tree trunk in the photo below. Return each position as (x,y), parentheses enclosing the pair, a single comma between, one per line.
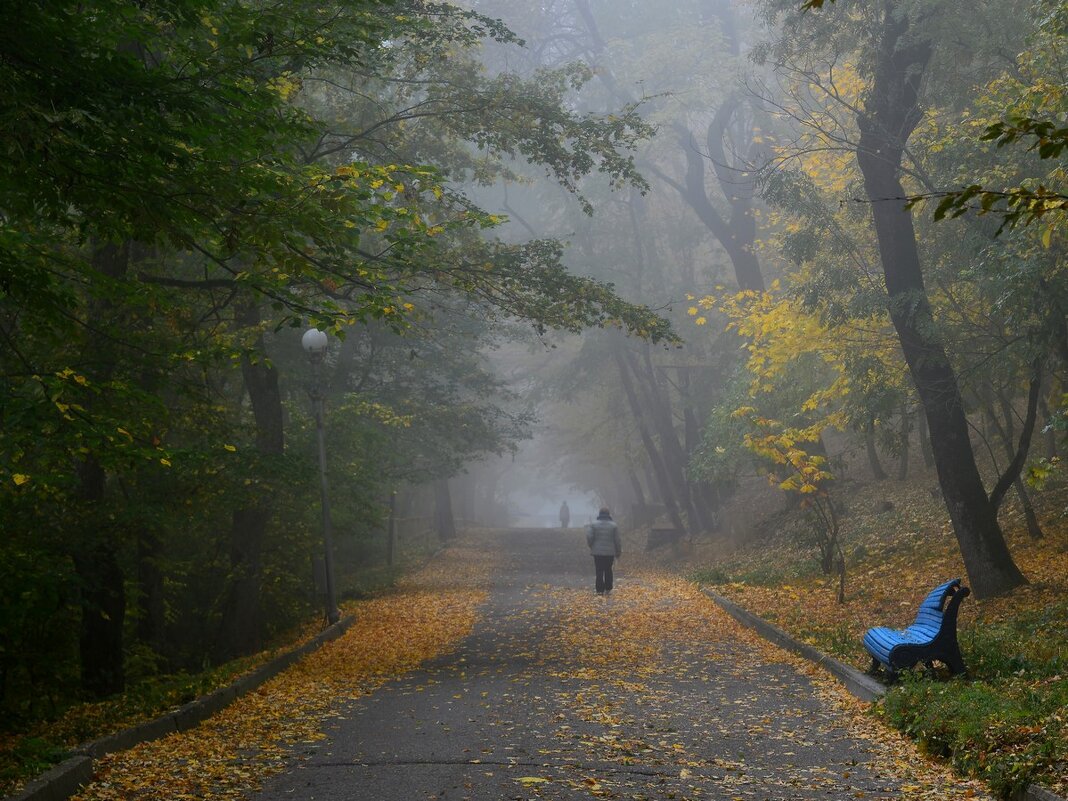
(1050,432)
(663,482)
(103,604)
(391,529)
(925,440)
(652,484)
(737,235)
(102,591)
(903,440)
(873,453)
(1034,529)
(703,497)
(636,488)
(489,513)
(658,403)
(734,172)
(1005,431)
(241,628)
(891,114)
(465,497)
(444,523)
(675,457)
(639,511)
(659,410)
(150,617)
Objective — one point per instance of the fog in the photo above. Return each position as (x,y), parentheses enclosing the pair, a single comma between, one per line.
(696,260)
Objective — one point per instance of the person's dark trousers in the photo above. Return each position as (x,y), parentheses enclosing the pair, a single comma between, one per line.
(604,572)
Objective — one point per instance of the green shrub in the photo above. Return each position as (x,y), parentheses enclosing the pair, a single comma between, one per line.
(710,575)
(1007,723)
(31,755)
(763,576)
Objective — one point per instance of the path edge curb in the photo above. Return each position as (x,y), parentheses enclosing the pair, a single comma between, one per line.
(858,684)
(63,780)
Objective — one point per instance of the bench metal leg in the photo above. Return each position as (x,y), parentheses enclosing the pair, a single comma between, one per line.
(955,662)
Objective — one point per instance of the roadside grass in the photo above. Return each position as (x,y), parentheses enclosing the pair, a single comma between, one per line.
(1007,721)
(33,747)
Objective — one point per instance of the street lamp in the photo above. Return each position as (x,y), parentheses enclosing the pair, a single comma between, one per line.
(315,345)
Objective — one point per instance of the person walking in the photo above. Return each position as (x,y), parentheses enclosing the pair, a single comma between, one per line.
(602,536)
(565,515)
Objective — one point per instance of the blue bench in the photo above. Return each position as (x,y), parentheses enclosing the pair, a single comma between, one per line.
(933,635)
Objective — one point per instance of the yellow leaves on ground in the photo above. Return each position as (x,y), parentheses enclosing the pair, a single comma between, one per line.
(888,577)
(657,680)
(230,754)
(528,781)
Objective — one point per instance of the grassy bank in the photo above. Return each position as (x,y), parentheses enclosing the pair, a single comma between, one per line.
(1007,722)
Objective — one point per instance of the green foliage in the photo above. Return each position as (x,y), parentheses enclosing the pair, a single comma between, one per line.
(1050,139)
(762,576)
(756,574)
(1031,109)
(1016,205)
(710,575)
(722,457)
(1005,722)
(188,181)
(30,756)
(36,589)
(51,742)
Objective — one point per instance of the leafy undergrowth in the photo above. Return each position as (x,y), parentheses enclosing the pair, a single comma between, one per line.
(26,754)
(232,752)
(1008,721)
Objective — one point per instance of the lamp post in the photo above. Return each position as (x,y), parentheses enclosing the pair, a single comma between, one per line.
(315,345)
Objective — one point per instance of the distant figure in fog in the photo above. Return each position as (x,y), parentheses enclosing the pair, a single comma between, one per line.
(602,535)
(565,515)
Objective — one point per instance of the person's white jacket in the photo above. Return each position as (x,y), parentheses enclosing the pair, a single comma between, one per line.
(602,536)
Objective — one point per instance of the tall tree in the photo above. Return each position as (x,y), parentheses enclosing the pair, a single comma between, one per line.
(197,131)
(891,113)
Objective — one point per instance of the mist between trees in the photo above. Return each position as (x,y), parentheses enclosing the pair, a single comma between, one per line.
(685,246)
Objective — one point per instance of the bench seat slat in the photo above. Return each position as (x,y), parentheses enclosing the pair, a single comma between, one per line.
(916,633)
(882,636)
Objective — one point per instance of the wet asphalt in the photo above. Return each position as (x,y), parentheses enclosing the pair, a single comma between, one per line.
(537,703)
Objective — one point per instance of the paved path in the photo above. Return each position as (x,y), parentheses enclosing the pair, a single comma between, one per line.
(652,693)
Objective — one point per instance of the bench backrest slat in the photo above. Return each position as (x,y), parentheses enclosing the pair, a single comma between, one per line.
(930,613)
(928,617)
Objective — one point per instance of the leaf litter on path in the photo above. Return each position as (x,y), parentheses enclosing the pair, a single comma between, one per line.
(654,693)
(231,753)
(661,691)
